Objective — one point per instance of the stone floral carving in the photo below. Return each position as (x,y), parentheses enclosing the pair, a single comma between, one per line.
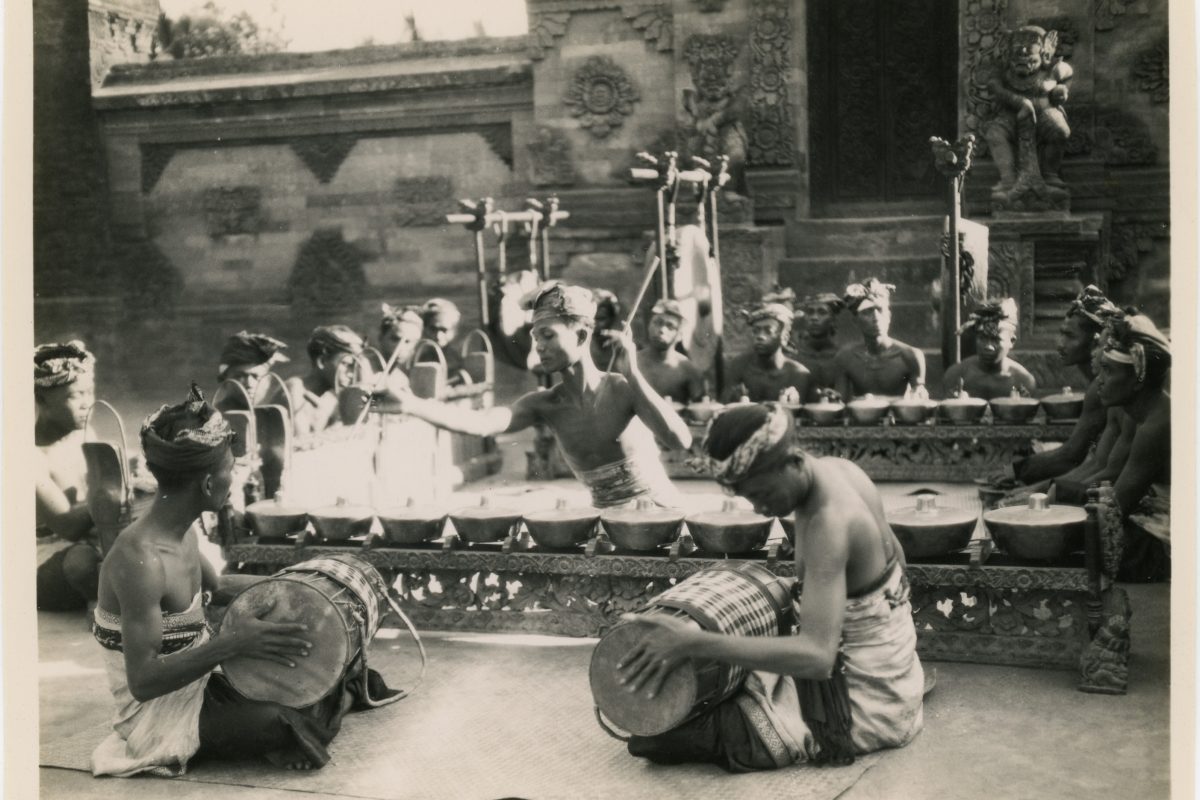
(1128,242)
(981,43)
(772,134)
(1151,72)
(1106,13)
(551,162)
(1010,274)
(1116,137)
(229,211)
(323,155)
(1027,130)
(600,95)
(715,107)
(155,158)
(544,30)
(655,23)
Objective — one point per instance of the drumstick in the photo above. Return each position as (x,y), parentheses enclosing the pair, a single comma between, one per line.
(646,279)
(387,368)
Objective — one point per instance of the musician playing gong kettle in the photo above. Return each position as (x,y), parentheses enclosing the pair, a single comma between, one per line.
(991,373)
(605,423)
(765,371)
(670,372)
(247,358)
(335,353)
(878,364)
(849,681)
(158,650)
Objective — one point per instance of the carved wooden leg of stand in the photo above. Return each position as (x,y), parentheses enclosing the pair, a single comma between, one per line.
(1104,665)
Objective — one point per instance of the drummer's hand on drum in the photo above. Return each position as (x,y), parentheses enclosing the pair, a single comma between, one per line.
(662,646)
(255,637)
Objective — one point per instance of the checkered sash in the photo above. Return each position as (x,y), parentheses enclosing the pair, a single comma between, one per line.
(733,600)
(356,576)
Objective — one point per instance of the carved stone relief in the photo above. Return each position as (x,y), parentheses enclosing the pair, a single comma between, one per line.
(1128,242)
(551,162)
(544,30)
(714,107)
(600,95)
(1010,274)
(1152,72)
(323,155)
(1116,137)
(982,40)
(1107,13)
(655,23)
(233,210)
(772,134)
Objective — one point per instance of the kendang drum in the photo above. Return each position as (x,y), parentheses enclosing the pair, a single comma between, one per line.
(737,600)
(338,597)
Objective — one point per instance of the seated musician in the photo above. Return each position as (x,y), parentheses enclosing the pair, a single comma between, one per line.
(1078,336)
(879,364)
(335,353)
(765,372)
(849,681)
(248,357)
(668,371)
(990,373)
(159,653)
(817,348)
(608,318)
(68,550)
(605,423)
(400,331)
(1133,374)
(441,319)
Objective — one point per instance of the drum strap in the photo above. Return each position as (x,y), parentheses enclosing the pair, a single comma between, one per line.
(402,693)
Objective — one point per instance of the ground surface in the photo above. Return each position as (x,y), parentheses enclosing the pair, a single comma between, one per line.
(510,715)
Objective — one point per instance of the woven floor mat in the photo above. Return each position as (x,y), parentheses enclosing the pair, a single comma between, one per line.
(497,717)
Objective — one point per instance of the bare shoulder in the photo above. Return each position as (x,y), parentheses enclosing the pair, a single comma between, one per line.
(133,561)
(793,367)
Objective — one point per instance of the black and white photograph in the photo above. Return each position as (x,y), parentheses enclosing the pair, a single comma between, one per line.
(603,399)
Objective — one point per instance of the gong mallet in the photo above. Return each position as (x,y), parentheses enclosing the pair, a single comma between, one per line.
(641,295)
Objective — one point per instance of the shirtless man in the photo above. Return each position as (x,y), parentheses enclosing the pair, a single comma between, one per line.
(990,373)
(1133,373)
(608,318)
(159,655)
(669,372)
(879,364)
(441,319)
(335,353)
(856,642)
(1078,336)
(817,348)
(68,551)
(248,357)
(605,423)
(765,372)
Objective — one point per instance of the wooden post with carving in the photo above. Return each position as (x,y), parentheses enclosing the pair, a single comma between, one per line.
(952,161)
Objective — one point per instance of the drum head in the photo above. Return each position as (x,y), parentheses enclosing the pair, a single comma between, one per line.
(314,676)
(636,713)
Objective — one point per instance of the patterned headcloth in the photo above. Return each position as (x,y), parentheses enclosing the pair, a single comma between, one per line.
(871,293)
(667,308)
(773,311)
(329,339)
(395,316)
(250,348)
(736,466)
(554,300)
(439,307)
(1092,304)
(990,319)
(835,303)
(187,437)
(783,295)
(61,363)
(1135,340)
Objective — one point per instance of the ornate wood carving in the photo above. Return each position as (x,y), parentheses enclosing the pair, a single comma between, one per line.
(981,43)
(1010,274)
(233,210)
(1151,71)
(655,22)
(600,95)
(551,162)
(323,155)
(545,28)
(155,158)
(772,134)
(1104,666)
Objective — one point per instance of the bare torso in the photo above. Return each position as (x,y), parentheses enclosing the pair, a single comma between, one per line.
(141,547)
(988,384)
(765,382)
(888,372)
(674,377)
(820,362)
(594,429)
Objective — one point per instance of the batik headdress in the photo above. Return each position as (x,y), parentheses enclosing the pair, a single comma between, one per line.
(61,363)
(1135,340)
(732,470)
(871,293)
(186,437)
(992,318)
(250,348)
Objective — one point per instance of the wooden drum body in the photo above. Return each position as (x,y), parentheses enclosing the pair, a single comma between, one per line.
(738,600)
(337,599)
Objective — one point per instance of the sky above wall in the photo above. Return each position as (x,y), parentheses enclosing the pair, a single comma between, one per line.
(313,25)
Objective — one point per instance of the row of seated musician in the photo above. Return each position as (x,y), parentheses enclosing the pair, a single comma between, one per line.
(774,369)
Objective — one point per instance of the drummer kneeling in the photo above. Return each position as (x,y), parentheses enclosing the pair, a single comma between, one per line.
(849,681)
(159,654)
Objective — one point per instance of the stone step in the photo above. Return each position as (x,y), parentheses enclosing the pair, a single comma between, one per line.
(865,236)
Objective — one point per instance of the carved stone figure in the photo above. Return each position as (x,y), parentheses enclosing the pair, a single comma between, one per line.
(1028,134)
(716,107)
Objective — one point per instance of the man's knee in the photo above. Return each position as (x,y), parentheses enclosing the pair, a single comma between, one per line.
(1052,126)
